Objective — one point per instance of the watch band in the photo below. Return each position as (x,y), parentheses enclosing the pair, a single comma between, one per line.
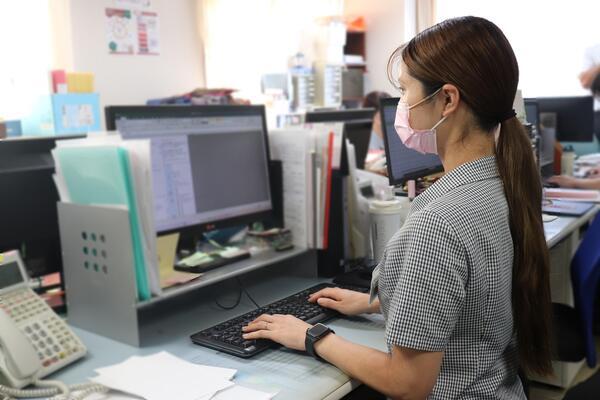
(311,339)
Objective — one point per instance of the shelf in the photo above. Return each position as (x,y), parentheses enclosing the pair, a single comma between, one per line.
(226,272)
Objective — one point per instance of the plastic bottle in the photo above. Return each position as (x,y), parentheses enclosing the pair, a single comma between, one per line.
(567,160)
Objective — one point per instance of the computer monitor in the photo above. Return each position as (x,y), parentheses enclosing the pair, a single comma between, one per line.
(210,164)
(403,163)
(28,213)
(547,136)
(340,115)
(357,127)
(574,117)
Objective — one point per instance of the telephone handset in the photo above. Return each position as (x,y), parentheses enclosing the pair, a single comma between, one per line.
(34,341)
(19,363)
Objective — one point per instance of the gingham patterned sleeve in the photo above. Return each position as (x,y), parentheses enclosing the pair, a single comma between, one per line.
(430,293)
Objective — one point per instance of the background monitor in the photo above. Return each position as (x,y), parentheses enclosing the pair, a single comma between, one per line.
(403,163)
(547,136)
(340,115)
(574,117)
(210,164)
(357,127)
(28,214)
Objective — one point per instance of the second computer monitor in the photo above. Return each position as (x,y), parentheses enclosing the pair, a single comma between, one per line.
(357,127)
(209,163)
(403,163)
(355,114)
(574,117)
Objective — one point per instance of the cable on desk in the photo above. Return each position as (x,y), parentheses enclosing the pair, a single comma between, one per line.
(243,287)
(234,305)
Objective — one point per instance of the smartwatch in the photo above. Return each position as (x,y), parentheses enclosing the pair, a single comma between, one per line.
(313,335)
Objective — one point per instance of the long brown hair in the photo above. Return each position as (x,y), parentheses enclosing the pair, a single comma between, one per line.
(474,55)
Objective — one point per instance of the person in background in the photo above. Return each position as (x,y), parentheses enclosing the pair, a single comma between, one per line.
(372,101)
(590,183)
(589,79)
(591,67)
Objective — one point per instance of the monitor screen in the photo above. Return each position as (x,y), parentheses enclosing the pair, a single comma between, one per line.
(403,163)
(28,215)
(209,163)
(574,117)
(10,274)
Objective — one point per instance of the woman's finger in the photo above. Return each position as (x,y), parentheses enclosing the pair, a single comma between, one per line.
(333,293)
(261,334)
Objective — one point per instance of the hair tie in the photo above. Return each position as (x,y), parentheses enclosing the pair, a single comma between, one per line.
(508,115)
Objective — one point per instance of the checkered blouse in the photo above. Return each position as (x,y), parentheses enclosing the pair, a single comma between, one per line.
(444,283)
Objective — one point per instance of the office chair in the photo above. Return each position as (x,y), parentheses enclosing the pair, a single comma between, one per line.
(585,273)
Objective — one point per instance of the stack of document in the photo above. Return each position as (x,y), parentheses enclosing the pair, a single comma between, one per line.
(163,376)
(309,155)
(105,170)
(591,196)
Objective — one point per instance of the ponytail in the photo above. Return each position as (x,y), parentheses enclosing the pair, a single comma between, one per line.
(531,300)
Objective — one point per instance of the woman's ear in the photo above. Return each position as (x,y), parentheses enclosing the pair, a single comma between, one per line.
(451,98)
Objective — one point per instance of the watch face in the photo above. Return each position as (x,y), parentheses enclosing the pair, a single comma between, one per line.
(318,330)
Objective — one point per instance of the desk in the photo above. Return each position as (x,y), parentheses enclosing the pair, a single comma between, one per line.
(294,375)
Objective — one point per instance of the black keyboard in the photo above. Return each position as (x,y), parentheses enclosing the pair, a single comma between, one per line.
(227,336)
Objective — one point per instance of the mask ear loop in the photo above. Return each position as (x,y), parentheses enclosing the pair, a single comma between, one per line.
(439,122)
(497,134)
(425,99)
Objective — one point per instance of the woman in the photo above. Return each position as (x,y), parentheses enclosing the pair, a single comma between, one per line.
(372,101)
(463,285)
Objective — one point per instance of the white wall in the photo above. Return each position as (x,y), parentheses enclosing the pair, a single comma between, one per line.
(385,32)
(132,79)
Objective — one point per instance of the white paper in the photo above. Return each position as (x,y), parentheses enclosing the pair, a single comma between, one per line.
(163,376)
(291,146)
(588,196)
(338,130)
(61,186)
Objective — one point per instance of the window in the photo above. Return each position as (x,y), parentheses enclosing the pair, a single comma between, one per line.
(245,39)
(25,40)
(549,38)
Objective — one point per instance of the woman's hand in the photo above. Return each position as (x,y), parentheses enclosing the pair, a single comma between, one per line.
(347,302)
(564,181)
(283,329)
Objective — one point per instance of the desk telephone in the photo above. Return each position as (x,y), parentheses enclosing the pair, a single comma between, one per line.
(34,341)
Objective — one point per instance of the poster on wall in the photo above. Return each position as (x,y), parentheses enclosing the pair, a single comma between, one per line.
(121,31)
(147,25)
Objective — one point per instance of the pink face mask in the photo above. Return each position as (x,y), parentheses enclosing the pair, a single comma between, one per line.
(423,141)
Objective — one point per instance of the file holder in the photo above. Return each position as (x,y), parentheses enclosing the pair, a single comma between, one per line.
(98,269)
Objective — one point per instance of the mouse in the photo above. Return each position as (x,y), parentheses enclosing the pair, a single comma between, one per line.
(551,185)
